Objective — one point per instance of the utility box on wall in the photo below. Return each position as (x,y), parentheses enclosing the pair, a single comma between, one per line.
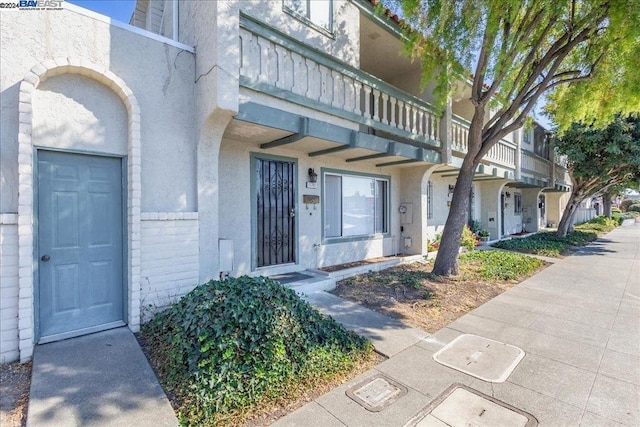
(406,213)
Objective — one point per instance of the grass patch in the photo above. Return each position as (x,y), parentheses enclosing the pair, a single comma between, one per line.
(232,349)
(498,265)
(549,244)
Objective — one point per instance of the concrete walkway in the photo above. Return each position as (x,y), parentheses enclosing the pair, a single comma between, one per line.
(578,322)
(96,380)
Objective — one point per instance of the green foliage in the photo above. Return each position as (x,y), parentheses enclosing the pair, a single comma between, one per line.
(229,346)
(599,224)
(546,244)
(624,205)
(517,51)
(499,265)
(434,245)
(550,244)
(634,208)
(600,158)
(468,239)
(523,48)
(620,217)
(615,210)
(483,233)
(476,227)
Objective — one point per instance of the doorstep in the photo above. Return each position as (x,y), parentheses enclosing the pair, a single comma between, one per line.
(373,267)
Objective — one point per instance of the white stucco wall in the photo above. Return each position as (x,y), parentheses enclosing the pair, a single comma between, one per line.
(530,211)
(167,134)
(8,287)
(169,261)
(556,203)
(512,221)
(77,109)
(194,16)
(440,200)
(235,210)
(490,207)
(73,112)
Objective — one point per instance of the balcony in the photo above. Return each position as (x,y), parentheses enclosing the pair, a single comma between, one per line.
(535,165)
(502,154)
(274,63)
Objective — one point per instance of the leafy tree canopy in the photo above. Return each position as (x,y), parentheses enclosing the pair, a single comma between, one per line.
(606,155)
(520,49)
(599,159)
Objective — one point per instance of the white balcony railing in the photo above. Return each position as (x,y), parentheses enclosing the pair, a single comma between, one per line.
(502,153)
(534,164)
(273,63)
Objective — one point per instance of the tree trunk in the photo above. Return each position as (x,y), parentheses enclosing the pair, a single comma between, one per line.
(568,215)
(606,204)
(446,263)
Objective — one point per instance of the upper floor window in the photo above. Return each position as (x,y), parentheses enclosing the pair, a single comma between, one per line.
(317,12)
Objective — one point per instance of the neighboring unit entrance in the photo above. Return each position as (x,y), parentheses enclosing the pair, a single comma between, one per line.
(80,244)
(275,213)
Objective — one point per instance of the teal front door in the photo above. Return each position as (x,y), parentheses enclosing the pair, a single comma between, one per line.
(80,248)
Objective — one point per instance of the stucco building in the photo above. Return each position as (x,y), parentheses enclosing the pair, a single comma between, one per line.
(233,137)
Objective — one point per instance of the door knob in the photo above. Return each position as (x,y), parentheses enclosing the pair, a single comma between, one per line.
(45,258)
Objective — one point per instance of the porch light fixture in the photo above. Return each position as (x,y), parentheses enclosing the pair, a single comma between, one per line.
(508,195)
(313,176)
(451,189)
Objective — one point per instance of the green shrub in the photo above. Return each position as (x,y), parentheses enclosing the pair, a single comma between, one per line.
(499,265)
(599,224)
(476,226)
(467,239)
(624,205)
(546,244)
(620,217)
(615,210)
(549,244)
(635,207)
(229,346)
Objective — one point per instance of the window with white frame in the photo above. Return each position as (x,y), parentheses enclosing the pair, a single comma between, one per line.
(355,205)
(517,203)
(318,12)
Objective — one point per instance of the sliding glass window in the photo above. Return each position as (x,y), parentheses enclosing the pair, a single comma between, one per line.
(355,205)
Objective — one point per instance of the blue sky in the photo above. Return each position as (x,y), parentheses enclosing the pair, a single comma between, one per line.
(120,10)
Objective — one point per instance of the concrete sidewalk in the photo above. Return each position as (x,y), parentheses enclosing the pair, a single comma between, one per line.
(578,322)
(96,380)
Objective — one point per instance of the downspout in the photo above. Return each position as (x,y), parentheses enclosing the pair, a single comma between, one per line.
(175,20)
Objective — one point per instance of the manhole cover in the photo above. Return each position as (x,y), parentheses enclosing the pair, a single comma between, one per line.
(460,406)
(480,357)
(376,393)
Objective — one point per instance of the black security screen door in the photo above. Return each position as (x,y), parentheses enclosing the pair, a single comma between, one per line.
(275,212)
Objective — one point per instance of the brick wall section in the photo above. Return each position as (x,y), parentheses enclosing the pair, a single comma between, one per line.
(9,288)
(169,258)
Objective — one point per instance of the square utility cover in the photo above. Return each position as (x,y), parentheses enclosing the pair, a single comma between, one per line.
(376,393)
(461,406)
(480,357)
